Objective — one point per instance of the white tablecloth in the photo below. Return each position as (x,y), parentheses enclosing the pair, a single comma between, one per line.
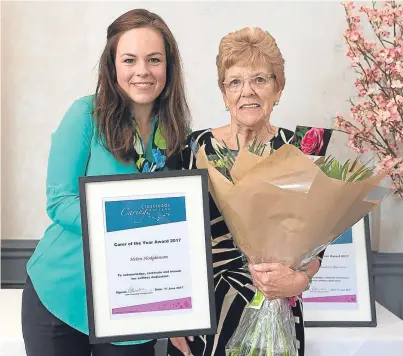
(384,340)
(11,342)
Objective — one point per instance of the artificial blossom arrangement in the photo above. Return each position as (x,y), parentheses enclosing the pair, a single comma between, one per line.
(377,112)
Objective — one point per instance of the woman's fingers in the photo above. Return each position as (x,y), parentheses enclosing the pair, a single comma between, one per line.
(262,278)
(267,267)
(275,284)
(181,344)
(267,291)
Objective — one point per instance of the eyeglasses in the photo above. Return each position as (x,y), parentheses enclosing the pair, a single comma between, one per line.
(259,81)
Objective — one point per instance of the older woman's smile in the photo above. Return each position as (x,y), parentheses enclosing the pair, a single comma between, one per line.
(250,106)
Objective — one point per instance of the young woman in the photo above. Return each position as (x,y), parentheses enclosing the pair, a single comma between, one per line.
(137,119)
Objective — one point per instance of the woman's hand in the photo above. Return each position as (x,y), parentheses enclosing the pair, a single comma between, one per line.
(181,344)
(276,280)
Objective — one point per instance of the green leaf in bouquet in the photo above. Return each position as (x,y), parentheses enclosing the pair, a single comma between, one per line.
(345,170)
(272,150)
(361,174)
(224,156)
(262,148)
(329,167)
(257,148)
(219,163)
(252,146)
(229,153)
(333,169)
(354,164)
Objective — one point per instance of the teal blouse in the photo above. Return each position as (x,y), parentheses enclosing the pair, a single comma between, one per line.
(56,267)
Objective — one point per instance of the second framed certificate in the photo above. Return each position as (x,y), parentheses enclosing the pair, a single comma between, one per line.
(147,255)
(341,294)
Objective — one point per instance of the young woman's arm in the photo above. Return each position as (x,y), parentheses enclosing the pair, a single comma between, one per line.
(68,159)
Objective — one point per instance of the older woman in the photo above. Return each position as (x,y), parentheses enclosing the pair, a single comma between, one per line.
(251,79)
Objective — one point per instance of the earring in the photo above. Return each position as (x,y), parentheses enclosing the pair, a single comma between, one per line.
(226,108)
(275,103)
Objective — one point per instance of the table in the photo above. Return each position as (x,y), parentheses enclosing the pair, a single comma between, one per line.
(11,342)
(385,340)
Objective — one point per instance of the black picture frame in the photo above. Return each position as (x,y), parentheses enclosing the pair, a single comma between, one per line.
(372,320)
(84,183)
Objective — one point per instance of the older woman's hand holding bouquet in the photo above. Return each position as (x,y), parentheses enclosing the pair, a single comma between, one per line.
(276,280)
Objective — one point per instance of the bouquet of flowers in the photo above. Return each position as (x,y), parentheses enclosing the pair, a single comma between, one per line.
(280,206)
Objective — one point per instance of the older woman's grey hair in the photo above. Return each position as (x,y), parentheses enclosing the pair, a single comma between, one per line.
(250,46)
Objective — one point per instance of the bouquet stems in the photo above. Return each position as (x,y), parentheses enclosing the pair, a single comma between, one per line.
(267,328)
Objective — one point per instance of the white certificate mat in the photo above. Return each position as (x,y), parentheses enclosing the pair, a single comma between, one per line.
(341,293)
(147,255)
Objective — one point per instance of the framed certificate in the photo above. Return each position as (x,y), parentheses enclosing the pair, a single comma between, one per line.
(147,255)
(341,293)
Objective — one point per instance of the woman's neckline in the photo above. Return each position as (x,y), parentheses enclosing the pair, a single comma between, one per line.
(210,130)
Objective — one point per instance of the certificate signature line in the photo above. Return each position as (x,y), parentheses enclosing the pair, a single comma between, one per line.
(132,291)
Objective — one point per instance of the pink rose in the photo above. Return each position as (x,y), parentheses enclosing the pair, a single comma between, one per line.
(312,142)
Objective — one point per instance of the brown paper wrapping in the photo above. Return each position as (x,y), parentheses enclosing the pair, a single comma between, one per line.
(282,206)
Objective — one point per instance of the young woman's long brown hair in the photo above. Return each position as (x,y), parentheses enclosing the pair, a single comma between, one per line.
(112,109)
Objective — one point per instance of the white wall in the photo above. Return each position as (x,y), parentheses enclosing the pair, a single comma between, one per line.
(49,58)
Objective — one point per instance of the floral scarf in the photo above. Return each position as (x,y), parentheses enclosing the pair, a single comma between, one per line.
(159,148)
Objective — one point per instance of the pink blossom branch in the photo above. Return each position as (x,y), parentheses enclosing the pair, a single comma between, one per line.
(380,117)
